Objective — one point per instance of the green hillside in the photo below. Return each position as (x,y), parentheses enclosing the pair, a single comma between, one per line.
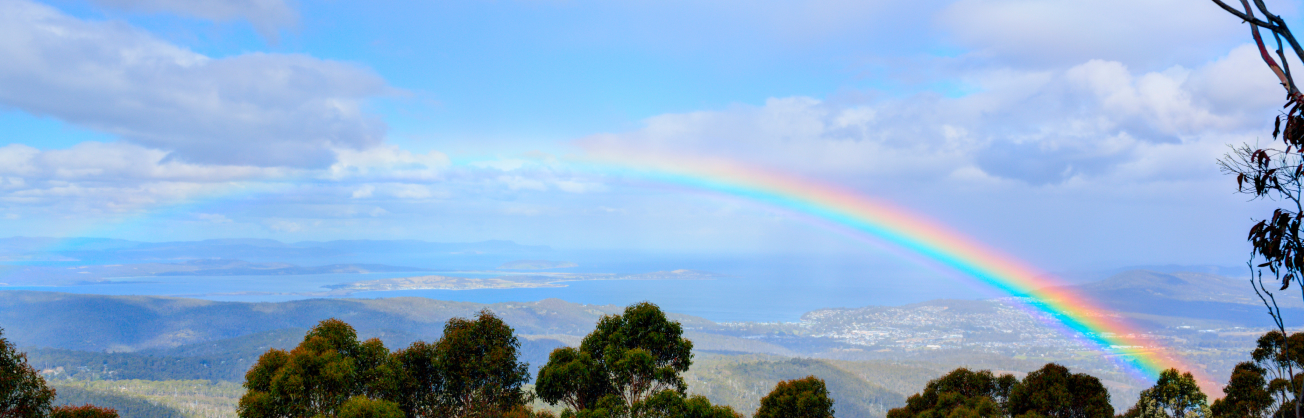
(133,323)
(741,381)
(145,398)
(221,360)
(128,406)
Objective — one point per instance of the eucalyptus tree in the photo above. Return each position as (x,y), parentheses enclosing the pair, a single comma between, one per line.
(628,360)
(797,398)
(1275,172)
(23,392)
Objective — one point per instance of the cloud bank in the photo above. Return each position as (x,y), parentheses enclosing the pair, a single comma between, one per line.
(1097,121)
(254,109)
(265,15)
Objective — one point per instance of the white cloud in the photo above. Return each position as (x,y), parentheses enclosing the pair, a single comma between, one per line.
(119,176)
(112,177)
(116,163)
(364,192)
(216,218)
(388,162)
(1097,120)
(1056,32)
(409,191)
(516,182)
(266,15)
(576,186)
(284,226)
(253,109)
(504,164)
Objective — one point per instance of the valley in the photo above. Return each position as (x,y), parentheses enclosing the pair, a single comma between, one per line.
(873,356)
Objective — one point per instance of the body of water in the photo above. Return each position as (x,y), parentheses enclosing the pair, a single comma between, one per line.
(757,291)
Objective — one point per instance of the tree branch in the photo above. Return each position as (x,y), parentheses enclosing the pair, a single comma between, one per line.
(1247,18)
(1285,81)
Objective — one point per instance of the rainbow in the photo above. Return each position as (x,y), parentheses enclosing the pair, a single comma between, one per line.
(867,219)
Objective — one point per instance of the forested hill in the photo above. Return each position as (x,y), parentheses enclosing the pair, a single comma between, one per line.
(60,249)
(1211,318)
(1159,300)
(131,323)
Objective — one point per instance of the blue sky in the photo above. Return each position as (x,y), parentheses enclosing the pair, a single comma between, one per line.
(1066,133)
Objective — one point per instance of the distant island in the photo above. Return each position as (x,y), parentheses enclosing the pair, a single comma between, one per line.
(510,281)
(58,275)
(536,265)
(433,282)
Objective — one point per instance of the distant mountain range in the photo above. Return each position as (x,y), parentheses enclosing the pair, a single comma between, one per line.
(536,265)
(17,249)
(876,354)
(1187,298)
(45,275)
(93,338)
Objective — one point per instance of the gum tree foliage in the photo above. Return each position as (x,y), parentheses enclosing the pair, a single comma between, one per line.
(797,398)
(84,411)
(1246,394)
(1176,395)
(1280,358)
(1054,392)
(1274,172)
(671,404)
(419,382)
(328,368)
(625,361)
(472,371)
(364,407)
(1051,392)
(23,392)
(573,378)
(1265,383)
(960,393)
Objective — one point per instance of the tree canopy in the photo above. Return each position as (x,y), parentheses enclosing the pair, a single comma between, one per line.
(960,393)
(472,371)
(1054,392)
(328,368)
(83,411)
(364,407)
(797,398)
(23,392)
(1049,392)
(630,365)
(1246,394)
(1176,394)
(671,404)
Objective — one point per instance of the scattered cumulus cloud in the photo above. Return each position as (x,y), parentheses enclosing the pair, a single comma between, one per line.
(576,186)
(388,162)
(284,226)
(1098,121)
(216,218)
(114,163)
(516,182)
(256,109)
(112,177)
(409,191)
(364,192)
(267,16)
(1146,33)
(1054,98)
